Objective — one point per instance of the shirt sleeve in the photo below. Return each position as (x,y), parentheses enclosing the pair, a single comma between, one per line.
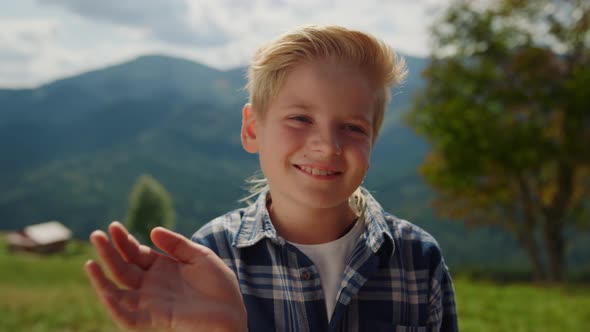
(443,313)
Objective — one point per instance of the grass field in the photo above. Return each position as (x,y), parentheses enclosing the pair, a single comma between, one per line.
(40,294)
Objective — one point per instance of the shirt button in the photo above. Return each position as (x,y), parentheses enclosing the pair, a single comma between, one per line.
(305,275)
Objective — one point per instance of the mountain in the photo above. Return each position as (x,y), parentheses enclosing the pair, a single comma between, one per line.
(72,149)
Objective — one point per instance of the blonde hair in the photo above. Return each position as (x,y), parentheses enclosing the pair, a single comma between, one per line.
(271,63)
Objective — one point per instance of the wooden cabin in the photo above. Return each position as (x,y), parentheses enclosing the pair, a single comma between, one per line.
(45,238)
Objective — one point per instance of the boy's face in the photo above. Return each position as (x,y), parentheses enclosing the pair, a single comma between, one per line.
(314,141)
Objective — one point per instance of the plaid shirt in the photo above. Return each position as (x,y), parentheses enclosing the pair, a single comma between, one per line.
(395,280)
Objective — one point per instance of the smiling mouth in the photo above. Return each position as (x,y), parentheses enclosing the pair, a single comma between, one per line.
(317,171)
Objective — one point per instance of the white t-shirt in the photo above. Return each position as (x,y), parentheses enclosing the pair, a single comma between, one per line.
(330,259)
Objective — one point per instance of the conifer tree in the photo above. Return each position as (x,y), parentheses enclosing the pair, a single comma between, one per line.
(150,206)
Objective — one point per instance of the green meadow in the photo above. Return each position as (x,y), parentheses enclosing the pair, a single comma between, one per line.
(40,294)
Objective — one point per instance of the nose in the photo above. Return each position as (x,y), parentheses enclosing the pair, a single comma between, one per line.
(326,142)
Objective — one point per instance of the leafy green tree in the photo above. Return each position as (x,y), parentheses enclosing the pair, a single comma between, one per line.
(150,206)
(507,112)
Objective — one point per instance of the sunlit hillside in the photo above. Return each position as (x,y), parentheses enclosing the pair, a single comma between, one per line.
(48,294)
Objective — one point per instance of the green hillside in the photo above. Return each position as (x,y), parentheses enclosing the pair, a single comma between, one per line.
(47,294)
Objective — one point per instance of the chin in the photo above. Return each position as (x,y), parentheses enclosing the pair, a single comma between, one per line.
(323,200)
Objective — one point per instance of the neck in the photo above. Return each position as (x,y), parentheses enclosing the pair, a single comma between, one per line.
(310,225)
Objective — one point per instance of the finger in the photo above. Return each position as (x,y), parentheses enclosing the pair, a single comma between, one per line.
(116,300)
(105,287)
(130,249)
(125,273)
(178,246)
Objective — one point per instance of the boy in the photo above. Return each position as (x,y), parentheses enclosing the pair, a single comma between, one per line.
(315,252)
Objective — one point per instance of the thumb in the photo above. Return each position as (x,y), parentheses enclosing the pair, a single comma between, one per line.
(177,245)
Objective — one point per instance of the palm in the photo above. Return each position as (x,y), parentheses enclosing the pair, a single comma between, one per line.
(169,290)
(189,289)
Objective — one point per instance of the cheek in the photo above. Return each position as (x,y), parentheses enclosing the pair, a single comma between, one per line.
(366,155)
(361,148)
(288,138)
(279,142)
(362,156)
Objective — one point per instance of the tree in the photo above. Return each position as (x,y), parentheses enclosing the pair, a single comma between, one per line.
(150,206)
(507,112)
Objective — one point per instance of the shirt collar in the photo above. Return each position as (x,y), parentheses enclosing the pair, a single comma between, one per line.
(256,224)
(378,232)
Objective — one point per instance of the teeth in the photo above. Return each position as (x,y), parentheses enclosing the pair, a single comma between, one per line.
(317,171)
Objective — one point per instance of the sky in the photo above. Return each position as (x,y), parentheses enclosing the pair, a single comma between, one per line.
(44,40)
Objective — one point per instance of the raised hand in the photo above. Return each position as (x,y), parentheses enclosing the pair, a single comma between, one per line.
(188,288)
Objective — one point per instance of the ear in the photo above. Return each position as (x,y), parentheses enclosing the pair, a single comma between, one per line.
(248,133)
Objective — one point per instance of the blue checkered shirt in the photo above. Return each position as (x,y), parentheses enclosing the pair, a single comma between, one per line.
(395,280)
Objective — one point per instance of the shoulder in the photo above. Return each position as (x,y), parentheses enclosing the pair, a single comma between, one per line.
(421,256)
(414,243)
(407,231)
(411,243)
(220,231)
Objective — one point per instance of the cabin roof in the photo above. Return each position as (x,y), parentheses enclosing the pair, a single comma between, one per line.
(48,232)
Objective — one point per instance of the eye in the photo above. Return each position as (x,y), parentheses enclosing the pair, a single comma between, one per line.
(301,118)
(355,128)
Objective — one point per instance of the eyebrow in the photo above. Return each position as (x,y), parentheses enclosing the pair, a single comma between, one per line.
(299,104)
(303,106)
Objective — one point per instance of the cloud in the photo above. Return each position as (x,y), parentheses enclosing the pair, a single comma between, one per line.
(250,24)
(25,38)
(217,23)
(87,34)
(37,50)
(21,42)
(403,24)
(165,20)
